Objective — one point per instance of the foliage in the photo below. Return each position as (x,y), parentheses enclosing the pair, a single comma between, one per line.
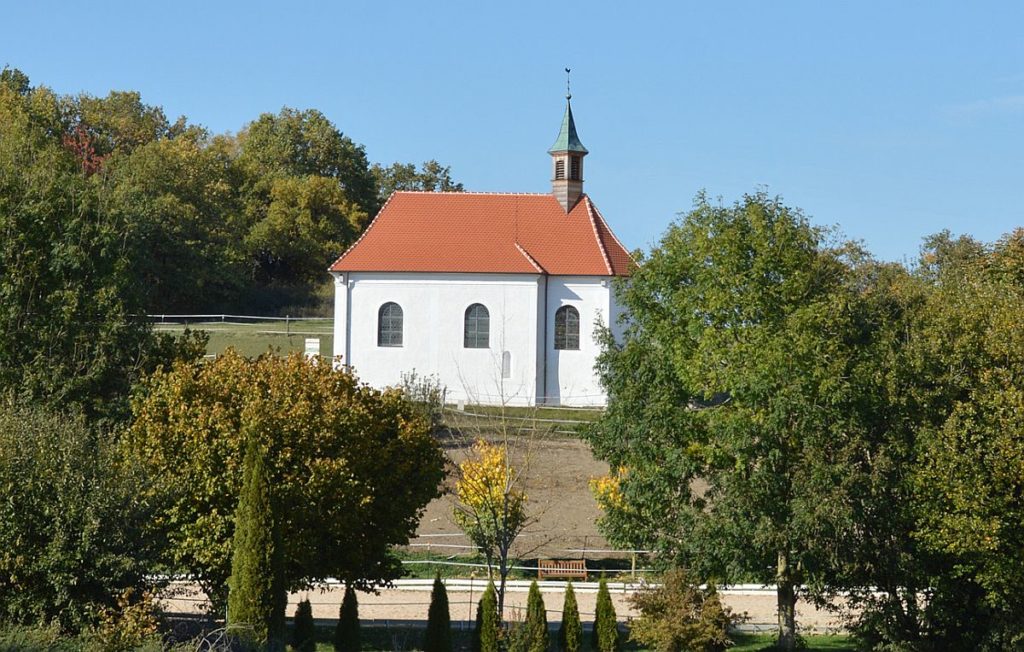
(129,626)
(70,304)
(491,504)
(678,615)
(742,370)
(256,595)
(570,632)
(606,625)
(352,467)
(426,393)
(431,177)
(536,624)
(438,635)
(488,620)
(347,636)
(72,538)
(303,628)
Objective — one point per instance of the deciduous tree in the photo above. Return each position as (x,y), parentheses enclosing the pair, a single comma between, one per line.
(352,467)
(491,507)
(733,420)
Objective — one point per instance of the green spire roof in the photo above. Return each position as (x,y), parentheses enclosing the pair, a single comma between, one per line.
(567,140)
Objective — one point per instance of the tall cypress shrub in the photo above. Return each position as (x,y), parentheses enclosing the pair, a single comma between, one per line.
(488,619)
(347,637)
(475,647)
(438,637)
(536,621)
(570,634)
(606,625)
(256,590)
(303,628)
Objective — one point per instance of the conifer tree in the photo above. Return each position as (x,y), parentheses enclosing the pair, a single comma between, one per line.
(438,637)
(347,637)
(536,621)
(488,620)
(570,634)
(606,626)
(256,590)
(475,647)
(304,630)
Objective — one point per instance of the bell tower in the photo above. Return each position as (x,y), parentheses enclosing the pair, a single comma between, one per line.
(567,161)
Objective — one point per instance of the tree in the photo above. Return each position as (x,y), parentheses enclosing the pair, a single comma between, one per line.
(302,180)
(488,620)
(256,595)
(438,635)
(347,636)
(71,310)
(536,624)
(352,467)
(309,221)
(606,623)
(301,144)
(73,543)
(304,628)
(570,632)
(678,615)
(491,507)
(736,421)
(431,177)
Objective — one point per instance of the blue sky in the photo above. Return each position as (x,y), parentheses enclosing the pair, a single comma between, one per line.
(890,120)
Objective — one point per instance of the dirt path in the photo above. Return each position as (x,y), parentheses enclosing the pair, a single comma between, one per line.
(409,603)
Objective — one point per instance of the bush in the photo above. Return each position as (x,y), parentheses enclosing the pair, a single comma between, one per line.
(304,629)
(570,634)
(606,624)
(438,637)
(71,525)
(487,620)
(679,616)
(536,624)
(347,637)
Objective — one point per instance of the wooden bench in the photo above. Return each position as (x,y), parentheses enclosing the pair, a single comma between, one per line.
(570,568)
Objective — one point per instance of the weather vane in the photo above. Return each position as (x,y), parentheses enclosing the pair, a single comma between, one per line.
(568,93)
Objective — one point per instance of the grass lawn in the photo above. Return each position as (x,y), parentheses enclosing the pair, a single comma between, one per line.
(253,339)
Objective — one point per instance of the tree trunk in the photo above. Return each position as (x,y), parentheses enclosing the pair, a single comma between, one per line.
(786,594)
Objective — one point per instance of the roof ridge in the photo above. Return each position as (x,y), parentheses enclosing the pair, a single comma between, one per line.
(607,228)
(597,236)
(365,231)
(530,258)
(470,192)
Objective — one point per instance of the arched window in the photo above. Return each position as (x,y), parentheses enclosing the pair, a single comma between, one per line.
(574,169)
(478,327)
(567,328)
(559,169)
(389,325)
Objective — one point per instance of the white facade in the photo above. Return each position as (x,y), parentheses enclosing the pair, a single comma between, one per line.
(521,364)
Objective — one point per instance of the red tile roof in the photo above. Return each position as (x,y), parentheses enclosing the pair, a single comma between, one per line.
(486,233)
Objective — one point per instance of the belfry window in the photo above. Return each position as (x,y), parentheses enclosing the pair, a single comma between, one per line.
(559,169)
(476,334)
(574,168)
(389,325)
(567,328)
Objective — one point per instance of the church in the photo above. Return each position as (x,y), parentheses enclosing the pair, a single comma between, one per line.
(497,295)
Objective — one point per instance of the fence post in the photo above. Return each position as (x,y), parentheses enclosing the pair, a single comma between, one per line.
(287,326)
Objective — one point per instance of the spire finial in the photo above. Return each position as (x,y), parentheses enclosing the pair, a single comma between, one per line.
(568,94)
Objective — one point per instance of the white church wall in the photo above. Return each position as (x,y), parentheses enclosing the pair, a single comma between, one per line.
(571,379)
(433,307)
